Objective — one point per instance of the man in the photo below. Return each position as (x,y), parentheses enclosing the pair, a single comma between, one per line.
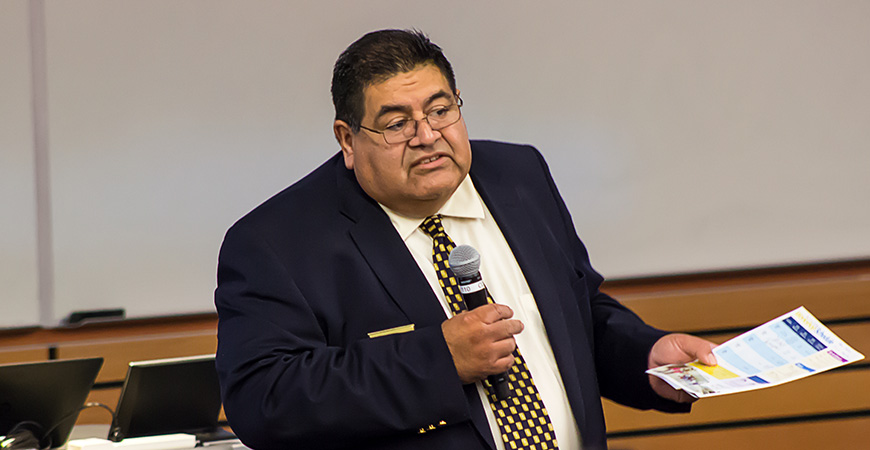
(335,330)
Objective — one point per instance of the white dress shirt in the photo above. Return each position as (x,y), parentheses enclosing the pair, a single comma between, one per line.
(467,221)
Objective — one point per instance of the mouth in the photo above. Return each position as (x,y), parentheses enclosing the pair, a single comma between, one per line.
(430,162)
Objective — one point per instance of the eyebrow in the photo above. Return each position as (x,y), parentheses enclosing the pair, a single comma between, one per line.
(386,109)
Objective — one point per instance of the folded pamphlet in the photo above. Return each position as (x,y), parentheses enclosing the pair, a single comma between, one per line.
(790,347)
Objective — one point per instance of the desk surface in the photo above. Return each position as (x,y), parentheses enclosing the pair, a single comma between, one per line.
(102,430)
(89,431)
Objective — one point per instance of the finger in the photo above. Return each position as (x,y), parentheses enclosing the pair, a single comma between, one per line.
(504,348)
(504,364)
(708,357)
(509,328)
(700,349)
(493,312)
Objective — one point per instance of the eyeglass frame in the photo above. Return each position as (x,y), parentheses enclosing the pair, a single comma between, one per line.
(417,124)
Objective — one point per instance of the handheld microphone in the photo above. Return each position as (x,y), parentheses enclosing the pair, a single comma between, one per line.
(465,262)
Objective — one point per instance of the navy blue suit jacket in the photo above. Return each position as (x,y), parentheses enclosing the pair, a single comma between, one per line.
(308,274)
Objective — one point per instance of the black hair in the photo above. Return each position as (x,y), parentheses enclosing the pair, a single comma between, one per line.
(376,57)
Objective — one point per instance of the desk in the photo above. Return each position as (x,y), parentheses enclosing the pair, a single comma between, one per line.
(101,431)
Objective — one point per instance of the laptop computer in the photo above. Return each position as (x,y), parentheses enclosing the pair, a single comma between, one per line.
(48,394)
(176,395)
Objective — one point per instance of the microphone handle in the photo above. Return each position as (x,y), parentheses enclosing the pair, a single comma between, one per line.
(473,299)
(474,293)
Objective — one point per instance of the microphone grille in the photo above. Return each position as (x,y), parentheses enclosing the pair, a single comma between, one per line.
(464,261)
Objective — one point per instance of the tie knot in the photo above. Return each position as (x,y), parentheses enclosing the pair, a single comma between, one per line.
(432,226)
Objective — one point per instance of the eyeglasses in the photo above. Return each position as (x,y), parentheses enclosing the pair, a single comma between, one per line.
(404,129)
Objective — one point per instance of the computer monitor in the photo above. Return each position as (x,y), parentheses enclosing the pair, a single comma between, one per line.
(177,395)
(49,394)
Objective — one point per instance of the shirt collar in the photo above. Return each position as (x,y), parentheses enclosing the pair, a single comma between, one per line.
(464,203)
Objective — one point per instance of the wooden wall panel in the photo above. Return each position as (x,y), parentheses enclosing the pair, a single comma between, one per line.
(30,353)
(748,306)
(835,391)
(826,434)
(119,353)
(717,310)
(800,409)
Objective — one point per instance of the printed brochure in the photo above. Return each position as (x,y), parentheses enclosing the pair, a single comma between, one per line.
(792,346)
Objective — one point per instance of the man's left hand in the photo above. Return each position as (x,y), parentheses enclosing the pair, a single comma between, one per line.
(678,348)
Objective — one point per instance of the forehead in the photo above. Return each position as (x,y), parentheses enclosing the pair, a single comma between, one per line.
(406,89)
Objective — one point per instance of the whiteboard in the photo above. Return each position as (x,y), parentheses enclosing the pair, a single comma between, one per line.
(19,296)
(685,136)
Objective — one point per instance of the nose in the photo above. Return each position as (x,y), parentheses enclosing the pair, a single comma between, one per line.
(425,134)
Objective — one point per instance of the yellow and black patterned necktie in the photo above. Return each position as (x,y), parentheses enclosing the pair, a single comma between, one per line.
(522,418)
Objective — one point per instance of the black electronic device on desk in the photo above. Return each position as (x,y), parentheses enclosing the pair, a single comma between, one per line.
(164,396)
(40,402)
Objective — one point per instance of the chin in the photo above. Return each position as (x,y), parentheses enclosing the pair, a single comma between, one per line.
(439,191)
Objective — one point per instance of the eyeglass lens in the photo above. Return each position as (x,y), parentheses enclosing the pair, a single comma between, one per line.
(437,119)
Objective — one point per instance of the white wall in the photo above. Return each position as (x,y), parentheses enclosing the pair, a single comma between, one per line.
(19,300)
(685,136)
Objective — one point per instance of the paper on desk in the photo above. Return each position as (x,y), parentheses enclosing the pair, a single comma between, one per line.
(792,346)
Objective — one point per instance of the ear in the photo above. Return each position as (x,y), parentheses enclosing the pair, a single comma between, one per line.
(344,136)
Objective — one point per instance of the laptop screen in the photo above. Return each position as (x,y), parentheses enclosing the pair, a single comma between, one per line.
(178,395)
(48,393)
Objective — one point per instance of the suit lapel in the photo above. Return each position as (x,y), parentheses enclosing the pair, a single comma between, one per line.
(387,255)
(505,204)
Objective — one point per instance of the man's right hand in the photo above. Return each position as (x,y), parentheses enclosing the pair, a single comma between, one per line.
(481,341)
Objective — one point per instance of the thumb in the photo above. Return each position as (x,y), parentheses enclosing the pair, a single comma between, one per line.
(705,354)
